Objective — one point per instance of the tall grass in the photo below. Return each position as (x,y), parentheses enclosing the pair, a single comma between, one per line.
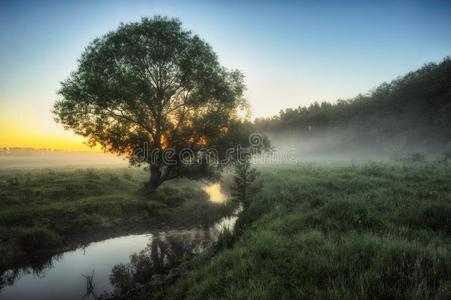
(336,232)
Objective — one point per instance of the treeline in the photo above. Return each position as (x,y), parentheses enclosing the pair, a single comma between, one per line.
(414,110)
(26,151)
(29,151)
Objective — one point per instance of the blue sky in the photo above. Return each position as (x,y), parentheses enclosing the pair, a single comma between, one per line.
(291,52)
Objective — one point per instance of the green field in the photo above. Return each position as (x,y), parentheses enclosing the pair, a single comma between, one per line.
(335,232)
(313,230)
(47,210)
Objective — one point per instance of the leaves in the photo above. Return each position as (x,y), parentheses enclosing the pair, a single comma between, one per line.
(151,82)
(244,177)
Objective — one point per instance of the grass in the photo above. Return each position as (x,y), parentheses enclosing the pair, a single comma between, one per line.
(44,210)
(313,231)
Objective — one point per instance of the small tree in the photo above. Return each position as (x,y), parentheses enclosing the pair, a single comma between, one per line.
(244,177)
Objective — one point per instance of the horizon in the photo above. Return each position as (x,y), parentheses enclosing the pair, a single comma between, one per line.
(291,55)
(173,149)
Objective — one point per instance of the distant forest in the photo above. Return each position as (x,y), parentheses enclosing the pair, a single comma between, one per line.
(409,114)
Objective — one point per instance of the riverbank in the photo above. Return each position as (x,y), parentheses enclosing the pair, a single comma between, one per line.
(373,231)
(319,231)
(46,211)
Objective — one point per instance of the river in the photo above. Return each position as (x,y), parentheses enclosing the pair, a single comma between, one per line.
(64,276)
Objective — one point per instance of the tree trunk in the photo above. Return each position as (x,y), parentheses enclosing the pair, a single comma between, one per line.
(155,179)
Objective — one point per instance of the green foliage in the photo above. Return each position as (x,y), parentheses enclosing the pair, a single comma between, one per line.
(369,231)
(243,179)
(149,86)
(226,239)
(412,111)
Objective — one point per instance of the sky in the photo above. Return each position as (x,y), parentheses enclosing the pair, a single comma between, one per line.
(292,53)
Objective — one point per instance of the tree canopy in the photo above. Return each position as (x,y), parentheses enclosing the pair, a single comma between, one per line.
(153,86)
(414,110)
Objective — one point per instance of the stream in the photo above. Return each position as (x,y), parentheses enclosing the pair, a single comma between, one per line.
(65,275)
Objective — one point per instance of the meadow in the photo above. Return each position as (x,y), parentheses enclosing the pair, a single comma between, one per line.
(325,231)
(312,230)
(49,210)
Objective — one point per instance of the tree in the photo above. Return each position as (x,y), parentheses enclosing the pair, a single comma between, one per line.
(244,176)
(413,111)
(153,86)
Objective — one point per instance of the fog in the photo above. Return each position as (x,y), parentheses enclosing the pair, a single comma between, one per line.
(338,144)
(23,158)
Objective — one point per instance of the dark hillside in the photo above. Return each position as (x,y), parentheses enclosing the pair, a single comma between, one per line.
(409,114)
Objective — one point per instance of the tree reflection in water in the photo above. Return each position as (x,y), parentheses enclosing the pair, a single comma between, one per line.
(160,262)
(37,265)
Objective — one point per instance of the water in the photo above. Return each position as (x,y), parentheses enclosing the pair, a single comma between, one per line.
(215,192)
(62,276)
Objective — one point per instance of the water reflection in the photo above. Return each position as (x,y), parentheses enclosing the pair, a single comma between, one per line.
(37,267)
(165,258)
(119,264)
(62,277)
(164,252)
(215,193)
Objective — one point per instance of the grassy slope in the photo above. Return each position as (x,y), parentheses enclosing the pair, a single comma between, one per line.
(43,210)
(328,232)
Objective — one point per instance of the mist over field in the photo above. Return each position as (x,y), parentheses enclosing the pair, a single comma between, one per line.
(408,116)
(225,150)
(29,158)
(336,144)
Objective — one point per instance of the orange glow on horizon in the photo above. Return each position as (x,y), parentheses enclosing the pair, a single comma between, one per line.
(19,137)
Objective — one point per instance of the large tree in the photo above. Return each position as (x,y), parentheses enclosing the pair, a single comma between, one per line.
(153,86)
